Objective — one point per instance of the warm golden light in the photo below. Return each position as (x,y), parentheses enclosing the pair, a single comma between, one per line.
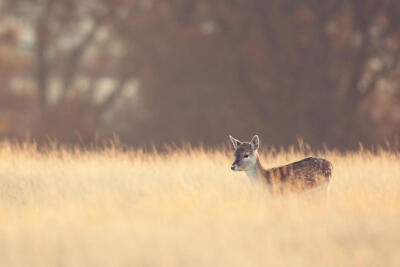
(187,208)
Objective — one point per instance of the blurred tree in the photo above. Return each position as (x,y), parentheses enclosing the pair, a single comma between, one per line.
(281,68)
(71,63)
(164,71)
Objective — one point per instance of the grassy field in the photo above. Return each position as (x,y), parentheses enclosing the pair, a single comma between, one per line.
(186,208)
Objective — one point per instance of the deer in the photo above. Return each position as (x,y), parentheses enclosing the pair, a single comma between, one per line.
(306,175)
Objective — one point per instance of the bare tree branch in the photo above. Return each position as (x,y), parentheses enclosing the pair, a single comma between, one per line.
(77,55)
(113,96)
(381,74)
(363,24)
(42,64)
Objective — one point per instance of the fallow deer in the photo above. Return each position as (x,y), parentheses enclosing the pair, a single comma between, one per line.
(304,175)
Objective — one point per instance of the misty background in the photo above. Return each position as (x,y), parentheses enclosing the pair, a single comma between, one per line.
(168,71)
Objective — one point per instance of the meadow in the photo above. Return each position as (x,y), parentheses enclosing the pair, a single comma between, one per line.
(114,207)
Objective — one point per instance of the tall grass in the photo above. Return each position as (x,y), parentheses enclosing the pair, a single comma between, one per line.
(186,208)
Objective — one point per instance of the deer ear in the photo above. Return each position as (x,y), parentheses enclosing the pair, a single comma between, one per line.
(234,141)
(255,142)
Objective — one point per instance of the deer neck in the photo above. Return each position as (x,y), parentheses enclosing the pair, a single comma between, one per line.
(255,173)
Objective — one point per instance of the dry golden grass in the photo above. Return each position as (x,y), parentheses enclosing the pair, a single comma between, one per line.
(186,208)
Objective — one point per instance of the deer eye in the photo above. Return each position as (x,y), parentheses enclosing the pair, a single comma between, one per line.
(245,156)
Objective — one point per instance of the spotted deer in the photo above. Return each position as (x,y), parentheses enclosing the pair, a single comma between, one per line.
(304,175)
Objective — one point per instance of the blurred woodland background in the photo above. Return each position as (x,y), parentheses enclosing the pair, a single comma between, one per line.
(162,71)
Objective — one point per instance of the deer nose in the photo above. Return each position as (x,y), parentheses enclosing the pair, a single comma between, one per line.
(233,167)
